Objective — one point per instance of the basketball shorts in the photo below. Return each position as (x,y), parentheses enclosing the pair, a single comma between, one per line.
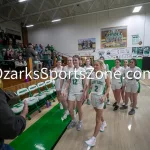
(57,84)
(95,101)
(74,97)
(133,88)
(116,85)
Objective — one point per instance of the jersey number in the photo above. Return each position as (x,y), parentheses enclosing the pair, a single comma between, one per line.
(75,81)
(96,88)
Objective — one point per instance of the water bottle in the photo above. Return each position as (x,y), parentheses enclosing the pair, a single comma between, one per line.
(26,80)
(47,104)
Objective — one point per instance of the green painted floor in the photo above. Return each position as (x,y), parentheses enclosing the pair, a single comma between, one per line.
(44,134)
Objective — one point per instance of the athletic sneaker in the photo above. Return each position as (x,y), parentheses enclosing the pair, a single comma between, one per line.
(123,104)
(131,112)
(91,142)
(74,114)
(103,125)
(66,112)
(88,102)
(65,115)
(79,126)
(123,107)
(61,106)
(72,124)
(115,104)
(108,102)
(116,107)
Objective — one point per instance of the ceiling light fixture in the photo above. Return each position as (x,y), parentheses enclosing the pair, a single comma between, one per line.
(56,20)
(28,26)
(137,9)
(22,1)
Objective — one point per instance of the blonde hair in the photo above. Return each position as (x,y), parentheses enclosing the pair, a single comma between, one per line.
(101,63)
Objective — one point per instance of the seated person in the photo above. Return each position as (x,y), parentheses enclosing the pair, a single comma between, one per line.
(37,63)
(10,54)
(20,64)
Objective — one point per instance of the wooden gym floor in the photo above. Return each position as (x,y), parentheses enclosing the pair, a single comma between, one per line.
(123,132)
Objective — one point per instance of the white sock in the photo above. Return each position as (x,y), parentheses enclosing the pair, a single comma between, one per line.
(94,138)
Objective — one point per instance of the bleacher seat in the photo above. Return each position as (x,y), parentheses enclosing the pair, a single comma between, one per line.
(31,101)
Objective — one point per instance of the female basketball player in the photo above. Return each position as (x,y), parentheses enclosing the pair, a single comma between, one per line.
(58,69)
(77,90)
(81,63)
(97,85)
(88,68)
(116,83)
(125,67)
(106,67)
(132,84)
(63,82)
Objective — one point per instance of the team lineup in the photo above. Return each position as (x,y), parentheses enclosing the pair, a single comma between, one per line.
(93,88)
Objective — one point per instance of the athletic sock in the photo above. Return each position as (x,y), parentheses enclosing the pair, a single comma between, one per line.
(93,137)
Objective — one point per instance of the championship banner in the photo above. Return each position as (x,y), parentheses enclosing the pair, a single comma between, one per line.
(114,37)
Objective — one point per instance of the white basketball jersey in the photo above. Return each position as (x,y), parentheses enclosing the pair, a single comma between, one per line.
(58,70)
(88,69)
(124,68)
(98,85)
(106,67)
(68,71)
(132,74)
(76,85)
(57,82)
(117,75)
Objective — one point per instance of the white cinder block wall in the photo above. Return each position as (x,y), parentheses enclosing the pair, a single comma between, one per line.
(65,34)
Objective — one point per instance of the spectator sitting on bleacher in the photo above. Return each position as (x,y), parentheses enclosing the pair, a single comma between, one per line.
(49,61)
(30,52)
(20,64)
(41,47)
(10,54)
(37,63)
(59,57)
(38,50)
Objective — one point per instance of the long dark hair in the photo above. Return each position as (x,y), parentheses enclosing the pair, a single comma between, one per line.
(118,60)
(77,56)
(135,62)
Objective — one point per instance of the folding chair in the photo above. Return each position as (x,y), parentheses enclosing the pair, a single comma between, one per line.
(31,101)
